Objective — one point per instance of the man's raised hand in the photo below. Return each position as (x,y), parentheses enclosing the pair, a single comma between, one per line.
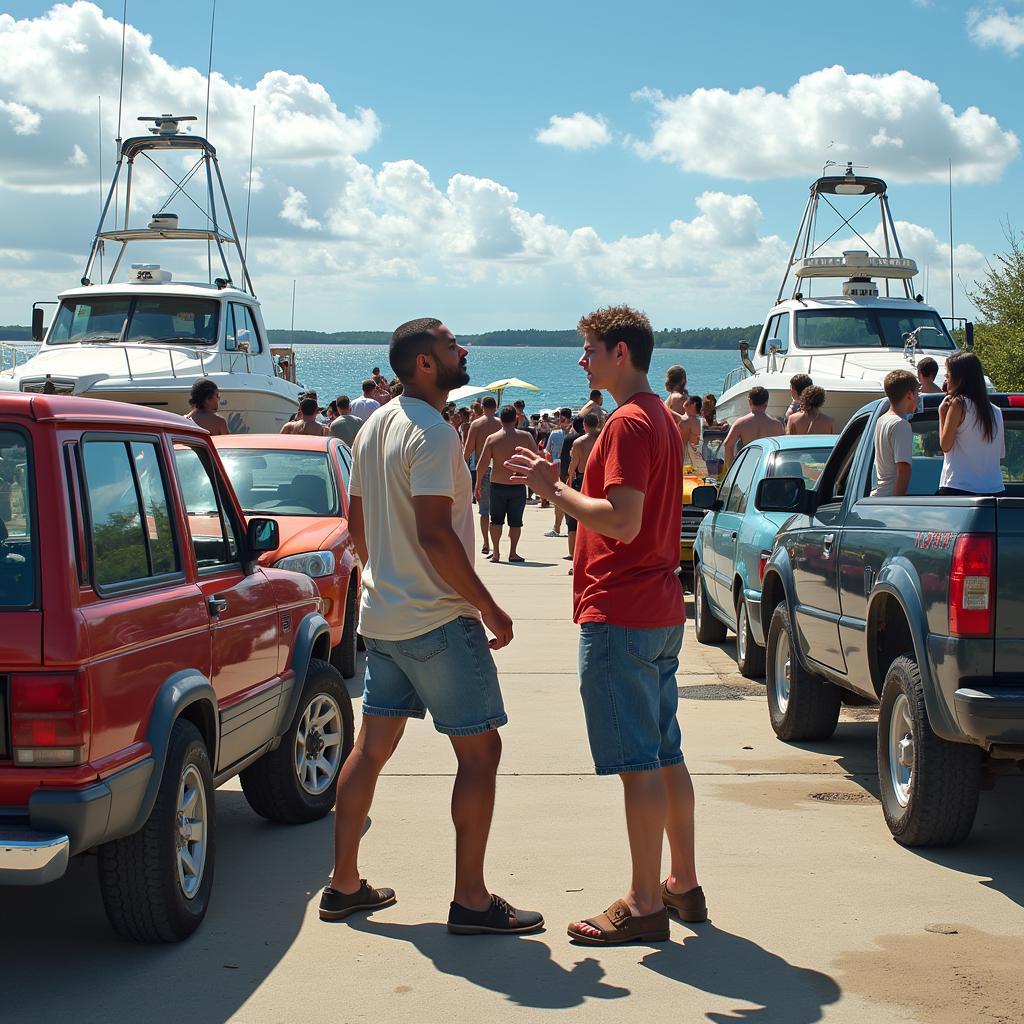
(535,469)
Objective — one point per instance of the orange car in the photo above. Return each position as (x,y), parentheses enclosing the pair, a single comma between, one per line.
(302,483)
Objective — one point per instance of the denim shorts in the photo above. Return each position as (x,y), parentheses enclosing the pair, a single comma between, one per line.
(448,671)
(628,685)
(508,500)
(484,505)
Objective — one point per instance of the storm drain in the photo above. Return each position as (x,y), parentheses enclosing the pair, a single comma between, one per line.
(844,798)
(720,691)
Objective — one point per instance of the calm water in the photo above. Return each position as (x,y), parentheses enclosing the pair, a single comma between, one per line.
(333,370)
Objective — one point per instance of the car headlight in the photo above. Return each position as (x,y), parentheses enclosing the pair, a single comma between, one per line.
(312,563)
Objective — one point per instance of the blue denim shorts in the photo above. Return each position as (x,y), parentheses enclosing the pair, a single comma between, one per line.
(448,671)
(628,685)
(484,505)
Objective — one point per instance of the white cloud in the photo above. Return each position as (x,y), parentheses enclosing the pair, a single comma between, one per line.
(295,210)
(578,131)
(996,27)
(78,157)
(23,120)
(897,123)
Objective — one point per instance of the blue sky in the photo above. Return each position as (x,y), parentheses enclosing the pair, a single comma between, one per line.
(463,89)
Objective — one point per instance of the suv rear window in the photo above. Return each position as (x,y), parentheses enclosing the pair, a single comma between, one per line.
(17,526)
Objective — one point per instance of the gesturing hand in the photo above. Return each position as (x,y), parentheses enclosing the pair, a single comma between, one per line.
(500,624)
(535,469)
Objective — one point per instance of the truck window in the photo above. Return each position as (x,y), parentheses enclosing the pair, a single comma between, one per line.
(129,519)
(835,478)
(213,535)
(726,485)
(17,528)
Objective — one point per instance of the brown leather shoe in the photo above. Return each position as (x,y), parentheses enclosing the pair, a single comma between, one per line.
(689,906)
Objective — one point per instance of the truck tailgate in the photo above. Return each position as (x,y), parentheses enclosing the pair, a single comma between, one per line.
(1009,639)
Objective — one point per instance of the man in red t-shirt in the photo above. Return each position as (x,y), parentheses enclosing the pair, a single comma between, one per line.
(629,605)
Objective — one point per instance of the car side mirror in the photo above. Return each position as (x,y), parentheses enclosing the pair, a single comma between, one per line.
(969,336)
(37,323)
(263,535)
(705,496)
(783,494)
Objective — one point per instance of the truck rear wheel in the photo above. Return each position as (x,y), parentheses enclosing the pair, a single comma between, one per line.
(296,782)
(156,883)
(709,629)
(801,705)
(749,657)
(929,785)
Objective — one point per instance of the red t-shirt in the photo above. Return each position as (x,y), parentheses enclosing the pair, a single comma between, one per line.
(634,584)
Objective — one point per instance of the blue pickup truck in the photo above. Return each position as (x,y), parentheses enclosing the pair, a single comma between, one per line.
(913,602)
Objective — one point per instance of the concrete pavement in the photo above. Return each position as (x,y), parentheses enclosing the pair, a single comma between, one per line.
(816,913)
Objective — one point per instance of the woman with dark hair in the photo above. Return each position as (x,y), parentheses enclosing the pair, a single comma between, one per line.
(809,419)
(970,431)
(205,401)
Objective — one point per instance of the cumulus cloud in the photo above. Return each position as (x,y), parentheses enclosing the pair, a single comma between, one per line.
(296,211)
(23,120)
(898,123)
(996,27)
(78,157)
(577,131)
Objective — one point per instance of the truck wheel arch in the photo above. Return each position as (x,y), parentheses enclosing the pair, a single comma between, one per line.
(312,640)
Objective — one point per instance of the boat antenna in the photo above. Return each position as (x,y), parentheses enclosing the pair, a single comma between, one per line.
(206,130)
(120,104)
(248,197)
(952,311)
(291,331)
(99,161)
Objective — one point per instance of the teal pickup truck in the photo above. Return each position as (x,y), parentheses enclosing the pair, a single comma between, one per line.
(913,602)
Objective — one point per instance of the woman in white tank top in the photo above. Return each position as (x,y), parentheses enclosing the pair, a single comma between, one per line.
(970,431)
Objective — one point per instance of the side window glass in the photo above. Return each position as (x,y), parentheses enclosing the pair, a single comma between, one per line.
(210,528)
(129,521)
(781,337)
(246,338)
(255,341)
(726,485)
(230,332)
(741,487)
(18,541)
(344,461)
(769,335)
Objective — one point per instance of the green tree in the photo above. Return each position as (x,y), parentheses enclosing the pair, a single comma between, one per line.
(999,298)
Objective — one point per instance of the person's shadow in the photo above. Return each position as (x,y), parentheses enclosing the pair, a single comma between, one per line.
(718,962)
(523,970)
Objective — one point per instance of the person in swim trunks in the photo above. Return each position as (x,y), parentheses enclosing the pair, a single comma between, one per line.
(479,430)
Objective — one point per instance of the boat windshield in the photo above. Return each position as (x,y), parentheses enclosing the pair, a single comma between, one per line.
(147,319)
(870,328)
(282,482)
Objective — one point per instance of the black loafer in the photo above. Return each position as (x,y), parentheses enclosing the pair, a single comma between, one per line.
(335,906)
(500,918)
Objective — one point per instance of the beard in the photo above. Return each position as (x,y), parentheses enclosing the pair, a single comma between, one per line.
(448,380)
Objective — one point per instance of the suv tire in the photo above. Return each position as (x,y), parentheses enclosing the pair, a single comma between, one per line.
(343,657)
(296,782)
(749,657)
(929,785)
(143,877)
(801,705)
(709,629)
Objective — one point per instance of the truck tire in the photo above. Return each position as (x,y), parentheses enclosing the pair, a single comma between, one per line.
(343,657)
(296,782)
(801,705)
(709,629)
(749,657)
(929,785)
(156,883)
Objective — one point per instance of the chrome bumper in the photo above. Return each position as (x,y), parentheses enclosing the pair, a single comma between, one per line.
(28,857)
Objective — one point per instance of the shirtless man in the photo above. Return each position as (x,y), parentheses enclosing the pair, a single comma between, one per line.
(581,449)
(479,430)
(595,406)
(675,385)
(507,499)
(691,430)
(205,401)
(757,423)
(307,423)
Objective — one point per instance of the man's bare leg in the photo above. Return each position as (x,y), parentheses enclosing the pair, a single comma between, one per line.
(514,533)
(679,828)
(485,528)
(472,810)
(559,516)
(495,542)
(378,737)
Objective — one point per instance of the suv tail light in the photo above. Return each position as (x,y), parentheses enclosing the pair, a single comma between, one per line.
(971,586)
(762,562)
(50,719)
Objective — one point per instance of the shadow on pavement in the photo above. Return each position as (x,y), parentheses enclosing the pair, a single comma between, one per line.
(522,969)
(727,965)
(853,749)
(56,941)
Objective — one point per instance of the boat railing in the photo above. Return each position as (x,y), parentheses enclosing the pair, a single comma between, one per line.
(734,376)
(209,362)
(848,368)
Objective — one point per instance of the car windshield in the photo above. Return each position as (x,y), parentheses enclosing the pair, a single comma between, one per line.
(870,328)
(147,318)
(282,483)
(805,462)
(17,530)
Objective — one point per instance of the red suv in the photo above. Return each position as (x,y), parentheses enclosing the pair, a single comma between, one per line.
(146,658)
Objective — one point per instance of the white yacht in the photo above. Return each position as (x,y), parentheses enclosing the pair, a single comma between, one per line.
(147,339)
(846,342)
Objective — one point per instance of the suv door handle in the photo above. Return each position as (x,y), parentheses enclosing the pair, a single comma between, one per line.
(217,605)
(826,543)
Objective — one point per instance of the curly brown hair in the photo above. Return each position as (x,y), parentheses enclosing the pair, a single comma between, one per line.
(612,324)
(812,397)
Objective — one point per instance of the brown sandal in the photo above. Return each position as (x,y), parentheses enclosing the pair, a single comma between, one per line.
(690,906)
(617,925)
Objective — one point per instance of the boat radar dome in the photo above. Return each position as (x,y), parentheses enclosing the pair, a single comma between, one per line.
(167,124)
(164,221)
(148,273)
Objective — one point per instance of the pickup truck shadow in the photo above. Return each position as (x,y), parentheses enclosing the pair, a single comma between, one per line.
(63,953)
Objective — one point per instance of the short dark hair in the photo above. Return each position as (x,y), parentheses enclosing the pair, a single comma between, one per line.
(490,402)
(613,324)
(710,397)
(697,402)
(308,406)
(565,413)
(812,397)
(376,369)
(508,414)
(799,381)
(758,396)
(343,403)
(519,403)
(928,368)
(898,384)
(675,375)
(409,340)
(577,424)
(368,386)
(591,420)
(595,395)
(202,390)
